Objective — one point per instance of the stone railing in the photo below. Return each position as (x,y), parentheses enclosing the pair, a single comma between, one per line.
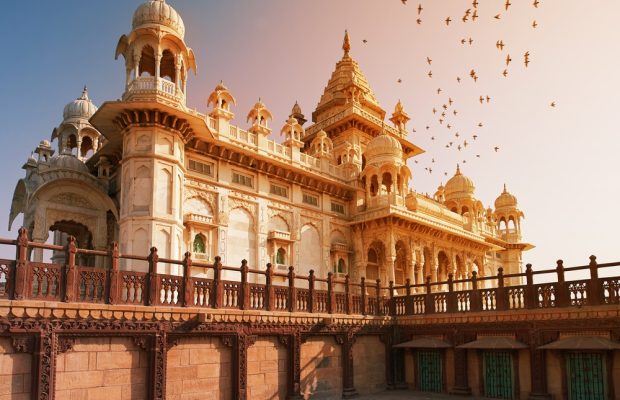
(27,280)
(151,85)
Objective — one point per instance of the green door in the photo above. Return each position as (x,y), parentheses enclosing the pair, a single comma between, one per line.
(430,371)
(498,374)
(586,376)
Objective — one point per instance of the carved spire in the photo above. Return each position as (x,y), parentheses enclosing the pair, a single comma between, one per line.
(346,44)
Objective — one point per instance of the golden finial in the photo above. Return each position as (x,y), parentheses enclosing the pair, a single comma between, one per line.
(458,170)
(346,44)
(505,191)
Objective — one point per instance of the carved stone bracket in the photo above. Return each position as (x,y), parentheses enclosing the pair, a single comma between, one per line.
(65,343)
(141,341)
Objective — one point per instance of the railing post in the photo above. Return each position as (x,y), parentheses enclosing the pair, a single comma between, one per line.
(331,306)
(451,305)
(113,282)
(21,288)
(217,293)
(310,306)
(152,296)
(363,296)
(292,292)
(476,299)
(69,273)
(269,293)
(244,303)
(594,285)
(347,295)
(392,304)
(188,290)
(408,298)
(378,307)
(531,300)
(429,306)
(500,294)
(562,296)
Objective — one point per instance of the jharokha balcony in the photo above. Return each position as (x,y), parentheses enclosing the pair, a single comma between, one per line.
(151,88)
(201,285)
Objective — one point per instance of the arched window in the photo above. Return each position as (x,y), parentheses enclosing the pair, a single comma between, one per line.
(199,244)
(341,267)
(281,256)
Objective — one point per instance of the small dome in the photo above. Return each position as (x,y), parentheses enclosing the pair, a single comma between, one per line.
(459,186)
(296,109)
(82,107)
(321,134)
(383,145)
(157,12)
(220,86)
(68,161)
(45,143)
(505,200)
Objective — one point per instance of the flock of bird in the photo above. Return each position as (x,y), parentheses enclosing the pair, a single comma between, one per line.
(445,111)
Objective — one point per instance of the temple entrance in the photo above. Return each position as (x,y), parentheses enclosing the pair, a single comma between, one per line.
(60,231)
(430,371)
(498,374)
(586,376)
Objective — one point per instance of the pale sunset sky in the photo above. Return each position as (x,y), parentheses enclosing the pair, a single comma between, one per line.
(560,162)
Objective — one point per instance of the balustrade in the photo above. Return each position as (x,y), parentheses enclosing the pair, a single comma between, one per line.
(23,279)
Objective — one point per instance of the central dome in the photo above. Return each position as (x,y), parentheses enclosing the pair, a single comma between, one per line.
(506,200)
(67,161)
(82,107)
(459,186)
(383,145)
(157,12)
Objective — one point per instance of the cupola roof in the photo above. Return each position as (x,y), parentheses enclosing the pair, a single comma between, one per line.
(158,12)
(80,108)
(459,186)
(506,200)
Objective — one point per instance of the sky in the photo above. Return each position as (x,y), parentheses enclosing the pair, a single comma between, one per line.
(559,161)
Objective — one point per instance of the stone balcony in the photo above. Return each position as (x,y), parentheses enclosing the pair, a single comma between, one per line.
(198,219)
(279,235)
(150,88)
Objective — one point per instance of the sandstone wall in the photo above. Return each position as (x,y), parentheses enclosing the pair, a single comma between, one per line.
(369,364)
(199,369)
(321,370)
(267,370)
(102,368)
(15,372)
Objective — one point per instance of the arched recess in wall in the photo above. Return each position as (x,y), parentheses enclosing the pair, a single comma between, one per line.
(196,205)
(443,263)
(164,191)
(374,259)
(142,189)
(277,223)
(139,242)
(309,251)
(241,243)
(400,264)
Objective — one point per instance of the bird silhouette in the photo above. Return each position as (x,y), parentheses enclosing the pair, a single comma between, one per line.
(420,8)
(481,99)
(526,58)
(456,134)
(443,114)
(430,74)
(465,143)
(478,155)
(399,80)
(428,127)
(488,98)
(534,24)
(508,4)
(428,60)
(364,41)
(508,59)
(454,112)
(419,21)
(445,107)
(404,2)
(434,110)
(470,41)
(438,90)
(459,147)
(474,15)
(448,20)
(498,16)
(480,124)
(500,45)
(432,137)
(536,3)
(552,104)
(463,41)
(496,148)
(475,4)
(458,79)
(441,121)
(475,137)
(448,126)
(505,73)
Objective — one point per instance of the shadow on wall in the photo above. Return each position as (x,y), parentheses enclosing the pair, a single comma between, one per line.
(321,371)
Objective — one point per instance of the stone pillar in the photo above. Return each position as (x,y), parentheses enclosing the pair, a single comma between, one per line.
(538,370)
(240,365)
(158,355)
(44,364)
(348,386)
(293,353)
(461,379)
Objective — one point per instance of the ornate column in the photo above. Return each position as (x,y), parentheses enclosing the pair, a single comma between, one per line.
(240,363)
(346,341)
(43,361)
(538,370)
(461,379)
(293,354)
(158,353)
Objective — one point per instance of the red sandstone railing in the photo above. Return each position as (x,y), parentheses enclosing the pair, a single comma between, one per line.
(21,279)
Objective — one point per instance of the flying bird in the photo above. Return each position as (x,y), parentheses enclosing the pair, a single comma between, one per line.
(552,104)
(475,137)
(496,148)
(456,134)
(458,79)
(419,21)
(434,110)
(454,112)
(474,15)
(443,114)
(464,19)
(500,45)
(465,143)
(475,4)
(468,11)
(400,80)
(480,124)
(508,59)
(488,98)
(463,41)
(536,3)
(459,147)
(428,60)
(428,127)
(450,101)
(526,58)
(508,4)
(404,2)
(498,16)
(430,74)
(478,155)
(440,121)
(470,41)
(432,137)
(420,8)
(445,107)
(448,20)
(481,99)
(534,24)
(438,90)
(448,126)
(365,41)
(505,73)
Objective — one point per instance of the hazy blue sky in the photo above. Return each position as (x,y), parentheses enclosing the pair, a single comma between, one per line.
(560,162)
